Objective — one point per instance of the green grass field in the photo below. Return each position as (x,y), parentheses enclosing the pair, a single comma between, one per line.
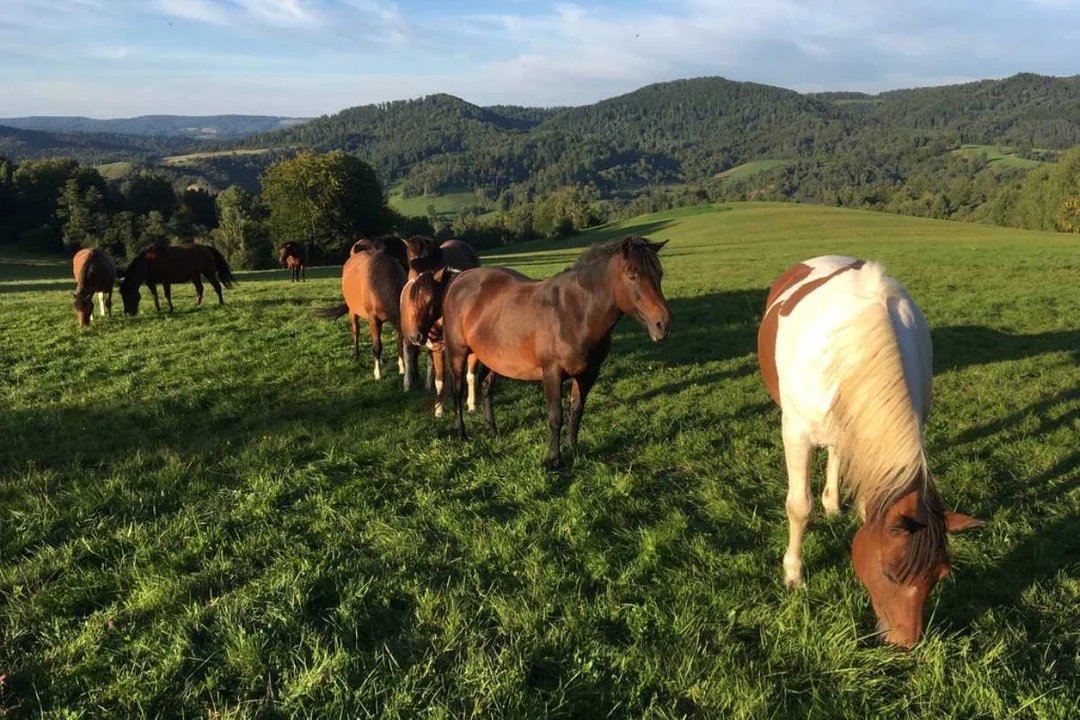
(217,513)
(114,171)
(742,172)
(447,205)
(1003,157)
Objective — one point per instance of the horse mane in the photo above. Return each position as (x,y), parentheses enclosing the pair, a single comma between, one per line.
(387,278)
(424,282)
(641,257)
(138,262)
(879,442)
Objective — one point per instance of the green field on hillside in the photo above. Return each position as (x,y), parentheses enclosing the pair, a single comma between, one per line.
(218,513)
(742,172)
(447,205)
(1000,156)
(114,171)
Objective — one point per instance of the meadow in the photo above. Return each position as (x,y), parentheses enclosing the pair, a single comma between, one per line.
(217,513)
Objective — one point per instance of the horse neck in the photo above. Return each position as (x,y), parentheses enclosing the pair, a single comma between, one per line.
(602,311)
(878,431)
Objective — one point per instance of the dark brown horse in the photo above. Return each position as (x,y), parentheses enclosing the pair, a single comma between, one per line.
(95,273)
(425,254)
(421,325)
(391,244)
(174,264)
(371,282)
(552,330)
(293,255)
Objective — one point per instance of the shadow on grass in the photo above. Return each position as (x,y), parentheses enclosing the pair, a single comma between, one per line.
(960,346)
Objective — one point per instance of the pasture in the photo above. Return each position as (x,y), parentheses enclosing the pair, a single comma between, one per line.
(191,157)
(1000,157)
(447,205)
(218,513)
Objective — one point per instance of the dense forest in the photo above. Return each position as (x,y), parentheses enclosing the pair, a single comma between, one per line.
(993,151)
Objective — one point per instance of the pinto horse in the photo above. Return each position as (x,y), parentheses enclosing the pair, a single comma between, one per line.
(95,275)
(421,325)
(371,282)
(846,354)
(554,329)
(293,256)
(174,264)
(424,254)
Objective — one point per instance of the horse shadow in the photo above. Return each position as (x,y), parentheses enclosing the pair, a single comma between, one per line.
(960,346)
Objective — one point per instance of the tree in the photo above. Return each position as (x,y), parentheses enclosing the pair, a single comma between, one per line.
(241,235)
(325,200)
(148,192)
(83,213)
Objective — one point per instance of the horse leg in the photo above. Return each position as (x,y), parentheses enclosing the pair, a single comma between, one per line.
(797,455)
(99,303)
(167,287)
(107,300)
(429,380)
(153,291)
(435,365)
(553,380)
(830,497)
(471,378)
(376,345)
(355,336)
(488,390)
(197,282)
(216,284)
(454,361)
(579,391)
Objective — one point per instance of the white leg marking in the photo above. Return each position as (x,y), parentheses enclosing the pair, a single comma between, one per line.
(400,366)
(378,369)
(797,454)
(100,298)
(438,387)
(438,409)
(830,497)
(471,379)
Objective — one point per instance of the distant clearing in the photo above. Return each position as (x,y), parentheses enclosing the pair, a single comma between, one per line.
(184,159)
(114,171)
(742,172)
(447,205)
(1002,157)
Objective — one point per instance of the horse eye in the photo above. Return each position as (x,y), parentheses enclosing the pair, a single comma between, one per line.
(889,576)
(632,276)
(899,531)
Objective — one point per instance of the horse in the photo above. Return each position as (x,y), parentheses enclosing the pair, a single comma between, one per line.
(371,282)
(424,254)
(846,354)
(391,244)
(553,329)
(95,275)
(421,325)
(293,255)
(174,264)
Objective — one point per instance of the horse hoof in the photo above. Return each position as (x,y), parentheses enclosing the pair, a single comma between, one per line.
(553,464)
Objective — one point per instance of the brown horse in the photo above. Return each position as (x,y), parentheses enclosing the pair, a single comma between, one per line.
(95,272)
(421,325)
(174,264)
(552,330)
(391,244)
(293,255)
(425,254)
(371,282)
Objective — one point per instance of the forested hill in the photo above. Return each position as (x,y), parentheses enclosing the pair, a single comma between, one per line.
(86,147)
(182,126)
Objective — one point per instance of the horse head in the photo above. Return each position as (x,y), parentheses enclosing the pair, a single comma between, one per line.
(636,276)
(421,305)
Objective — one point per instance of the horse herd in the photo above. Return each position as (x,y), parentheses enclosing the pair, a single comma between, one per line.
(843,351)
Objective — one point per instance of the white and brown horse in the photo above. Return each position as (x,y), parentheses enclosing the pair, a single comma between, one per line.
(846,354)
(95,275)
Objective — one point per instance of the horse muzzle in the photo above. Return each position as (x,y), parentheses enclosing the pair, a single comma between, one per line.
(659,329)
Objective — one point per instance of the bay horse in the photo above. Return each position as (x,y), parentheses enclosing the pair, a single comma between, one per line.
(425,254)
(95,275)
(293,255)
(421,325)
(371,283)
(553,329)
(391,244)
(174,264)
(846,354)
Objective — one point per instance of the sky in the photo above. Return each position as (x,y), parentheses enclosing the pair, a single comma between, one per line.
(302,58)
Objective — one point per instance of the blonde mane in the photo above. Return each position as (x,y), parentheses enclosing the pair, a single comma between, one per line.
(878,431)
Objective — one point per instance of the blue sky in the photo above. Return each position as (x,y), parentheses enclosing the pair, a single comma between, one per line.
(117,58)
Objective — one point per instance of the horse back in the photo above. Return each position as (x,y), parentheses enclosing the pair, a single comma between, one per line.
(371,283)
(459,255)
(94,271)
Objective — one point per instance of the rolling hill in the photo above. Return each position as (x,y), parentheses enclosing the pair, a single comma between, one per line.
(191,127)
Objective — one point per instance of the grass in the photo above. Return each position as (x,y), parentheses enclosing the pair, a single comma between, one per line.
(217,513)
(189,157)
(447,205)
(744,171)
(1002,157)
(114,171)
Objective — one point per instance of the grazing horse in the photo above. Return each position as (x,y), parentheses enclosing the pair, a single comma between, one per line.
(371,282)
(391,244)
(95,275)
(421,325)
(846,354)
(293,255)
(174,264)
(426,255)
(554,329)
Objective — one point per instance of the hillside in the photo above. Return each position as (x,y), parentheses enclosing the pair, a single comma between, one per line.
(91,148)
(216,127)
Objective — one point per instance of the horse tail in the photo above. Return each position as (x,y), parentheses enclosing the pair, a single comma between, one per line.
(876,414)
(224,272)
(332,312)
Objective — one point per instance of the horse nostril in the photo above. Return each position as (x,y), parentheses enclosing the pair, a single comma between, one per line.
(416,338)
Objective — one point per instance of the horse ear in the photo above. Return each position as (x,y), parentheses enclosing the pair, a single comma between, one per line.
(957,522)
(439,274)
(658,245)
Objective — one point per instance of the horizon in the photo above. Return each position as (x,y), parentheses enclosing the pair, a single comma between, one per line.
(307,58)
